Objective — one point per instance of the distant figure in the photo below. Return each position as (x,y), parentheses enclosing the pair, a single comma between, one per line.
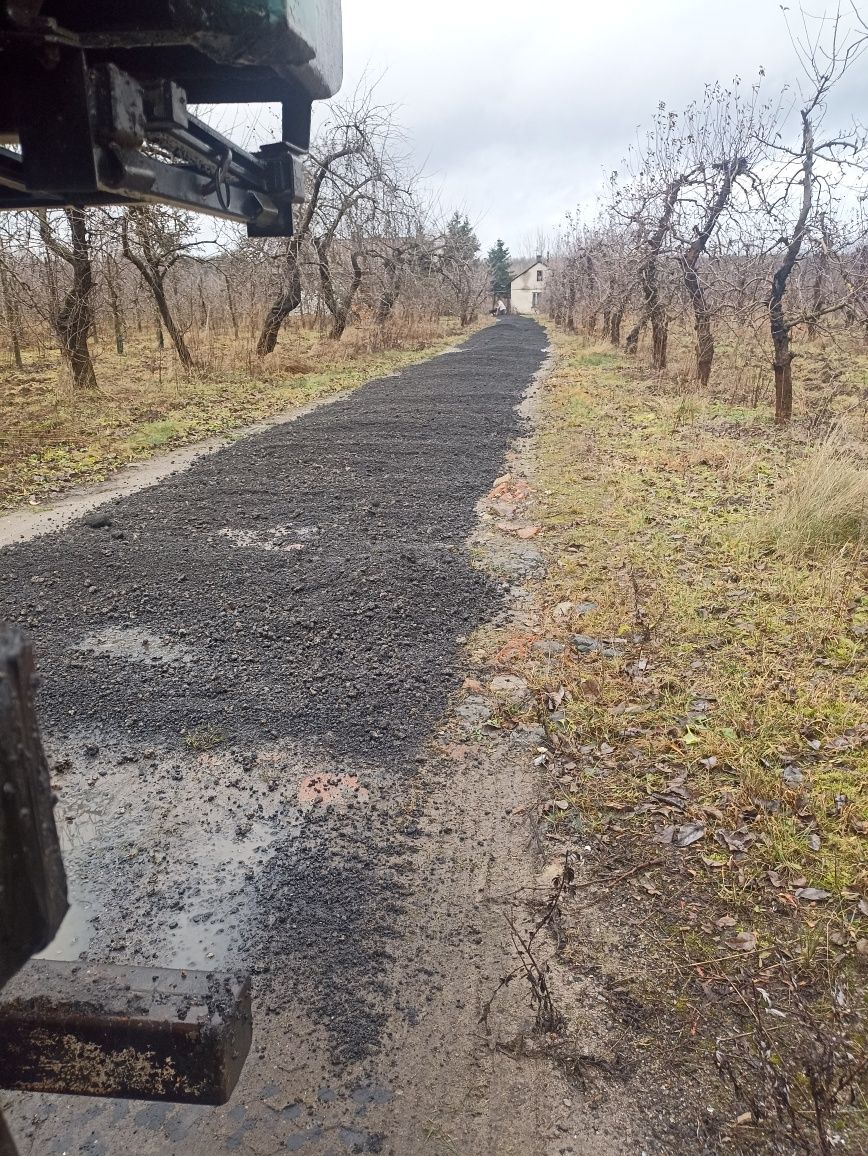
(500,308)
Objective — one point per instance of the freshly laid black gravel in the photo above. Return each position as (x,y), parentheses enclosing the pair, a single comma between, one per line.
(314,575)
(308,584)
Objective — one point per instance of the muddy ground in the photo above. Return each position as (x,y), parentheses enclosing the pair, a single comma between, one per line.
(246,673)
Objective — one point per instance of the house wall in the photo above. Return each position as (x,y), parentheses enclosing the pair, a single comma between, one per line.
(523,288)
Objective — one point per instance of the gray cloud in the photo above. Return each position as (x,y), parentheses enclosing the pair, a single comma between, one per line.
(519,109)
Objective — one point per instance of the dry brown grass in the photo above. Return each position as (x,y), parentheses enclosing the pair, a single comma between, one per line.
(822,504)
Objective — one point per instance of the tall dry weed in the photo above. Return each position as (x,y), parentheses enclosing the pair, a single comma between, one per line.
(822,505)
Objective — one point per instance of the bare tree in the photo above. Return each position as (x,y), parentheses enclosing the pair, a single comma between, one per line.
(459,265)
(74,318)
(154,239)
(10,309)
(350,162)
(812,168)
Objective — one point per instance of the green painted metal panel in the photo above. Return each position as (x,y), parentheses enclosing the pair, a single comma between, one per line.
(296,39)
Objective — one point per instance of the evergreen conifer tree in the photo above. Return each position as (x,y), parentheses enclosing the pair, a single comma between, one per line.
(498,269)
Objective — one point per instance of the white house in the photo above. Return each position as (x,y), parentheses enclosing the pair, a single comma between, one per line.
(527,285)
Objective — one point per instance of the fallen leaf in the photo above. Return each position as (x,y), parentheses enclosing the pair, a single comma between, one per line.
(734,840)
(812,894)
(473,685)
(689,833)
(527,532)
(744,941)
(726,921)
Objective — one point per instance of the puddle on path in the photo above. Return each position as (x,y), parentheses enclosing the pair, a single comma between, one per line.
(163,847)
(134,644)
(75,932)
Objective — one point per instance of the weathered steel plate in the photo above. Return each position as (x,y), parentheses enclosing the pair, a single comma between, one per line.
(130,1032)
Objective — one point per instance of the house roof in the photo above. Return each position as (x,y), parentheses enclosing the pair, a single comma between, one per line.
(519,268)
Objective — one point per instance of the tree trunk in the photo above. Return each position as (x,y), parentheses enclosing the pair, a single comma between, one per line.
(12,323)
(659,340)
(154,276)
(615,326)
(657,316)
(346,303)
(117,314)
(655,310)
(391,290)
(702,326)
(233,315)
(158,289)
(288,301)
(75,317)
(571,305)
(783,361)
(783,367)
(590,270)
(205,320)
(733,168)
(780,330)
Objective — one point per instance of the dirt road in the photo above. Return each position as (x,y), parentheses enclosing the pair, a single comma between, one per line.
(244,671)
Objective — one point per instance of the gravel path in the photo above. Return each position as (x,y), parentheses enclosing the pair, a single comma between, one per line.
(242,668)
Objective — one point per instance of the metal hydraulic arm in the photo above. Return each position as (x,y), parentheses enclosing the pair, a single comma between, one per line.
(96,114)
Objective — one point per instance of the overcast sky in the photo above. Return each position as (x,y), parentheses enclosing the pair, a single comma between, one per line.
(518,109)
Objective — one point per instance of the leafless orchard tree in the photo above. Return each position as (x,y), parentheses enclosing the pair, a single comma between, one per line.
(72,320)
(456,258)
(730,215)
(154,239)
(352,170)
(11,309)
(801,197)
(684,180)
